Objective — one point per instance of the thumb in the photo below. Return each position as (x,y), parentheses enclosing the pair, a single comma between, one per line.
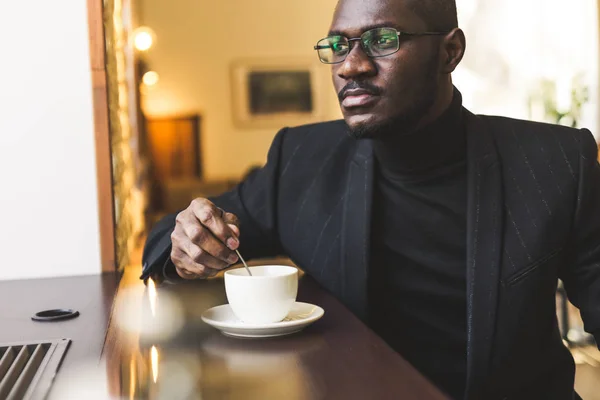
(234,229)
(232,222)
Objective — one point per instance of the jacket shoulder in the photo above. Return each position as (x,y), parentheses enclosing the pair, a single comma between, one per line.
(530,136)
(315,140)
(325,131)
(525,126)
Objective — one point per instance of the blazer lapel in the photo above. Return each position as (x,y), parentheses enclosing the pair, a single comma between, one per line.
(356,230)
(485,213)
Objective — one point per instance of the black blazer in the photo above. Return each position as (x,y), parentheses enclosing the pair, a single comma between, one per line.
(533,217)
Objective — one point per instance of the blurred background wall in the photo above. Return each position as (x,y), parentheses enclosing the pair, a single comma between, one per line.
(197,41)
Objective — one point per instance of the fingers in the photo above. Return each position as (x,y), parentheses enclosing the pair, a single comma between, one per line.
(213,219)
(185,274)
(233,223)
(231,219)
(199,240)
(199,244)
(199,237)
(184,265)
(192,276)
(189,268)
(235,230)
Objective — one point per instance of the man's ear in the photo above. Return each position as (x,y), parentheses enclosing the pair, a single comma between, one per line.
(453,48)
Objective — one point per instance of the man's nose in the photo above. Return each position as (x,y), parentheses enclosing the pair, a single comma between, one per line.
(357,63)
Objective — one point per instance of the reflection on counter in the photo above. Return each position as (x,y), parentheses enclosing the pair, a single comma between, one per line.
(154,361)
(160,349)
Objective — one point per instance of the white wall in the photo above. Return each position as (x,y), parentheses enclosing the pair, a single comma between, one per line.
(197,41)
(48,204)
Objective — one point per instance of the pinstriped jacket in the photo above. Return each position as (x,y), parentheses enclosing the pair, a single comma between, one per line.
(533,216)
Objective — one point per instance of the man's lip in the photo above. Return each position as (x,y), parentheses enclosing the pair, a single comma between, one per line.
(358,99)
(357,92)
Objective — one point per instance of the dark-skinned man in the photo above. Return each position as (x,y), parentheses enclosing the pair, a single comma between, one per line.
(445,231)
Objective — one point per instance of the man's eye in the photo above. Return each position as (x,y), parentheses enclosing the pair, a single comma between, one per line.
(384,41)
(338,47)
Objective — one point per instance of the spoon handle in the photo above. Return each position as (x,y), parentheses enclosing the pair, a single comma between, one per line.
(244,262)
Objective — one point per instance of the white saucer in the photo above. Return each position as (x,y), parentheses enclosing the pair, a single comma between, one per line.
(301,315)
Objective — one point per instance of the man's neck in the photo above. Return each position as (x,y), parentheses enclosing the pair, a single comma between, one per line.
(435,143)
(437,109)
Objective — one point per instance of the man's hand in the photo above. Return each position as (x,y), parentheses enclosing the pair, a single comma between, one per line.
(203,240)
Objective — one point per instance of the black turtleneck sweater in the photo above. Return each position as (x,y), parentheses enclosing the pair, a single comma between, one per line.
(418,267)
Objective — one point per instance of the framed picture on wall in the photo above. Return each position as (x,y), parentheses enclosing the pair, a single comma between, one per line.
(272,93)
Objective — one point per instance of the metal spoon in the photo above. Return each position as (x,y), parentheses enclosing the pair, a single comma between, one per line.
(244,262)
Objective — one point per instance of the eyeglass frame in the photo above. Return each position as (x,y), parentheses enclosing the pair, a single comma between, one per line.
(398,33)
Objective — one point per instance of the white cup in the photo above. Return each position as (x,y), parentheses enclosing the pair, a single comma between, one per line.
(265,297)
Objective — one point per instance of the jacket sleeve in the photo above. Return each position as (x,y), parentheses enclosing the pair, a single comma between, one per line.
(254,201)
(582,278)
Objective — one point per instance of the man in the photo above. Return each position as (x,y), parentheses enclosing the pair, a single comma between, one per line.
(446,232)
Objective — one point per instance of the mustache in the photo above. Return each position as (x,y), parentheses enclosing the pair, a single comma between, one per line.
(369,87)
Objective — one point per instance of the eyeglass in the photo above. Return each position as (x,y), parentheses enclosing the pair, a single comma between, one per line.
(378,42)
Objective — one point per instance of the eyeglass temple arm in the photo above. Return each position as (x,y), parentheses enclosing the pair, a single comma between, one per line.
(422,33)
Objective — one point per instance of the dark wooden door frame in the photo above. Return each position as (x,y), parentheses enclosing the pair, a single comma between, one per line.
(106,210)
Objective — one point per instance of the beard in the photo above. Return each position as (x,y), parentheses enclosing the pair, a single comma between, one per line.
(409,116)
(404,122)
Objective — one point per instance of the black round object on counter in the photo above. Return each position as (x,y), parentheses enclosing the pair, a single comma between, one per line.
(59,314)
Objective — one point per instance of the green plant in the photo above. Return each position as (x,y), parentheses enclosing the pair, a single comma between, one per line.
(578,97)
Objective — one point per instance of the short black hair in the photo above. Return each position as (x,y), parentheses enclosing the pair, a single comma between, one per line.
(439,15)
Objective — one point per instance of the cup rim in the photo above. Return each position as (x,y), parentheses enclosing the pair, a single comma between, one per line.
(287,270)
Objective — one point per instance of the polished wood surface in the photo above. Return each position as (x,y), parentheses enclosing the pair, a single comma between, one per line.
(102,136)
(338,357)
(165,351)
(92,296)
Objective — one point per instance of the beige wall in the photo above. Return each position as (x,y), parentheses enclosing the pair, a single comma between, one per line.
(198,40)
(48,202)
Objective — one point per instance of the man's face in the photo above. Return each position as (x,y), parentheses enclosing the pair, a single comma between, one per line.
(391,93)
